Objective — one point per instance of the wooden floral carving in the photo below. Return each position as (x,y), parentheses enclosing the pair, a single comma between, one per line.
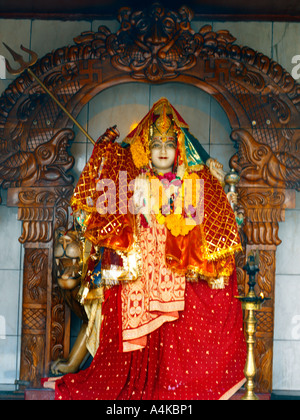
(156,43)
(257,163)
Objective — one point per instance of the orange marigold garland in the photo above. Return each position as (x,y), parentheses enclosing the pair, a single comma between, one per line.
(170,209)
(140,153)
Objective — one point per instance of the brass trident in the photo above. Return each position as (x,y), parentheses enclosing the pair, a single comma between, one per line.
(26,66)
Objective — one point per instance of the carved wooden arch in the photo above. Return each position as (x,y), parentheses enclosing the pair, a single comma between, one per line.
(157,45)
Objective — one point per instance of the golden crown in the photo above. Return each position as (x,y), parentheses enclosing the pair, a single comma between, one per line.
(162,125)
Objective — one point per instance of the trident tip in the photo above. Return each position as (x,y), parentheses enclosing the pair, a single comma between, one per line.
(19,59)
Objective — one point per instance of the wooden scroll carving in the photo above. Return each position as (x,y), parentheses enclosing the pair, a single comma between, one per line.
(261,100)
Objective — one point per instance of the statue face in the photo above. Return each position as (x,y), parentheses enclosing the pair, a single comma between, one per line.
(67,254)
(163,153)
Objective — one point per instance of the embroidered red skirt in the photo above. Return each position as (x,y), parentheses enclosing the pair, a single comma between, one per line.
(201,355)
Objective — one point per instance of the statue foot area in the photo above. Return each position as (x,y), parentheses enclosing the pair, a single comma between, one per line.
(50,383)
(59,367)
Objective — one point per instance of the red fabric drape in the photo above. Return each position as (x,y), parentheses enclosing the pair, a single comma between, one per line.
(199,356)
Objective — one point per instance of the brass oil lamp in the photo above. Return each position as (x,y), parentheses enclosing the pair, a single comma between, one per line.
(251,303)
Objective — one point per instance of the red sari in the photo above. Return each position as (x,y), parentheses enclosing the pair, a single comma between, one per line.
(199,356)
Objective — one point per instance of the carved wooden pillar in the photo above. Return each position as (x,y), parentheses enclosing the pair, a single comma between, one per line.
(264,195)
(45,318)
(265,209)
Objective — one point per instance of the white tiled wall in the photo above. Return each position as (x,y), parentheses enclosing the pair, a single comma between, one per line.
(286,371)
(10,294)
(124,105)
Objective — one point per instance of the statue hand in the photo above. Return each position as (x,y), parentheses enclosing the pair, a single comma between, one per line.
(216,169)
(63,366)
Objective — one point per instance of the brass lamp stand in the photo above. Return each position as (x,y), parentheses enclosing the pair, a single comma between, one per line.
(251,303)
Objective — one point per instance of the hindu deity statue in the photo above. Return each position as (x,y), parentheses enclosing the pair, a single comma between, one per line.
(158,239)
